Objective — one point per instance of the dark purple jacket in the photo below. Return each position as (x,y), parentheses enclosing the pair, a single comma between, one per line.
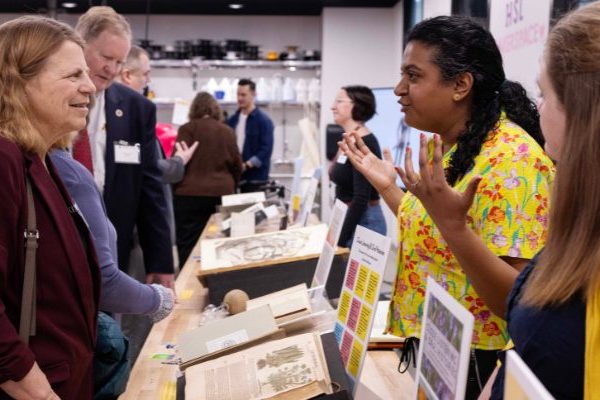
(68,279)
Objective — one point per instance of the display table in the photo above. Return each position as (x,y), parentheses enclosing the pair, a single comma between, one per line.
(154,377)
(266,276)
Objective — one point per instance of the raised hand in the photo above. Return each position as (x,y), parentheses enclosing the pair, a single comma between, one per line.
(380,173)
(447,206)
(182,150)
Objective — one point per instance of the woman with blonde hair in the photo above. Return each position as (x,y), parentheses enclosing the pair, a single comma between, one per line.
(213,171)
(48,302)
(553,310)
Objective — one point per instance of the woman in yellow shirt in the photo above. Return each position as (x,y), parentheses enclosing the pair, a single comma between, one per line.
(553,310)
(453,84)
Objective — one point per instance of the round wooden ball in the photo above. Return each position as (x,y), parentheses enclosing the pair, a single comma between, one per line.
(236,300)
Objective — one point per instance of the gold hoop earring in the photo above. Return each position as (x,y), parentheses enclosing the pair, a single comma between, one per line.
(456,97)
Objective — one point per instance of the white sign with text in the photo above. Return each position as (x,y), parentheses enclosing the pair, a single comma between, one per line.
(358,299)
(443,360)
(338,214)
(520,28)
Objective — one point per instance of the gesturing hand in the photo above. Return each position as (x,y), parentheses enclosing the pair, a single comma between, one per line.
(184,152)
(380,173)
(447,206)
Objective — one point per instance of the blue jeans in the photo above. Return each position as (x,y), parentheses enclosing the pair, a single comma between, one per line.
(372,219)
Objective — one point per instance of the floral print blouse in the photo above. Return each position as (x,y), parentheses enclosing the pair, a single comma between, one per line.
(509,213)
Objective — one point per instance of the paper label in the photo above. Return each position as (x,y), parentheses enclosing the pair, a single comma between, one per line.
(271,211)
(127,153)
(351,275)
(353,317)
(363,322)
(361,282)
(226,341)
(242,198)
(355,359)
(344,306)
(242,224)
(372,287)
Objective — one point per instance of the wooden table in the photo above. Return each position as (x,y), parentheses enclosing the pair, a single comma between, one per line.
(153,379)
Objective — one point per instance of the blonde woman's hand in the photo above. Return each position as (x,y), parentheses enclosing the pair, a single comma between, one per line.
(447,206)
(34,386)
(380,173)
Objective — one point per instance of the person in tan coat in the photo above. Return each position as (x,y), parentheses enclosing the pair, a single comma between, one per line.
(213,171)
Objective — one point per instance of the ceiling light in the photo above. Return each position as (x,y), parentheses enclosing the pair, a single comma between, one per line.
(236,6)
(69,4)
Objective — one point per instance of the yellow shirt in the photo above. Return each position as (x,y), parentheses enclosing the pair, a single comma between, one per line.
(509,213)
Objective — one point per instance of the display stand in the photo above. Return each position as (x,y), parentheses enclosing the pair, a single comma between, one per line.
(220,274)
(360,292)
(520,382)
(445,346)
(260,280)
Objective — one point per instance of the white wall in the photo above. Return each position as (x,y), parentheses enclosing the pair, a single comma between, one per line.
(398,26)
(434,8)
(269,32)
(359,47)
(521,29)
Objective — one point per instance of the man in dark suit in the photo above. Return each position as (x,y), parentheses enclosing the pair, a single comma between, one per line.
(254,133)
(119,147)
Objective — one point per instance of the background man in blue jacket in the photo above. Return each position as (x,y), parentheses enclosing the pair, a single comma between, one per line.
(254,132)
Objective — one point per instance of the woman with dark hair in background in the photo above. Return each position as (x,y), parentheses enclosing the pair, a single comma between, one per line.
(213,171)
(453,84)
(352,108)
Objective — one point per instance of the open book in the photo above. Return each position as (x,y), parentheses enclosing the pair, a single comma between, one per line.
(379,339)
(291,368)
(287,304)
(227,335)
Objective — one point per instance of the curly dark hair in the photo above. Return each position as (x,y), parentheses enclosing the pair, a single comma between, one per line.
(461,45)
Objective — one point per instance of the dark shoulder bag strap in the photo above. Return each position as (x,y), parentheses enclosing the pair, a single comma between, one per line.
(28,300)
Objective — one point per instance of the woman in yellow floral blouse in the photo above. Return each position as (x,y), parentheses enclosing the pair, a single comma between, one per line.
(453,84)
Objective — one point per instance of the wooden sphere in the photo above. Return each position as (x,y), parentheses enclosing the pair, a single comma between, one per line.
(236,300)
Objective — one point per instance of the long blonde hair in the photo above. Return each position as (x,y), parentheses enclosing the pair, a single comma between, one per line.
(570,263)
(25,45)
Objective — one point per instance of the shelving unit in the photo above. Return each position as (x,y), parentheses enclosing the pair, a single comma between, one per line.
(168,102)
(181,79)
(215,64)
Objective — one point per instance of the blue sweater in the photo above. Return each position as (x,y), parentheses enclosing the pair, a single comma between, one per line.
(258,144)
(550,340)
(120,293)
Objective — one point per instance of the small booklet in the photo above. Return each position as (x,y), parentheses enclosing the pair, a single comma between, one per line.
(291,368)
(227,335)
(379,339)
(287,304)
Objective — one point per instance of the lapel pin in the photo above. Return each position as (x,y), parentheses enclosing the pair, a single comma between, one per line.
(119,112)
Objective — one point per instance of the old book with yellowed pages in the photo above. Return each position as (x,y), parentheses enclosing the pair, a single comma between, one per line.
(227,335)
(286,305)
(291,368)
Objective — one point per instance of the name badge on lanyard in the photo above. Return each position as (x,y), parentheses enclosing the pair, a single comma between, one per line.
(127,153)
